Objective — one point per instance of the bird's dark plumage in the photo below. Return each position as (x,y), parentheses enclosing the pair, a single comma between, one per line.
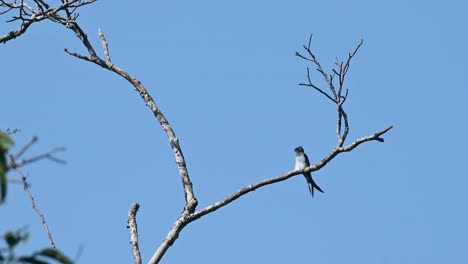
(302,161)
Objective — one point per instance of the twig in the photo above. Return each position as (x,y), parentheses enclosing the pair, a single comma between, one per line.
(105,47)
(310,84)
(26,188)
(10,132)
(26,147)
(16,181)
(47,155)
(132,225)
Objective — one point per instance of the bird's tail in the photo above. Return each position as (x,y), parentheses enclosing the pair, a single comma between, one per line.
(311,184)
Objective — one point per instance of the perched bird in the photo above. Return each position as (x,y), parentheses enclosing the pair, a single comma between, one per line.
(302,162)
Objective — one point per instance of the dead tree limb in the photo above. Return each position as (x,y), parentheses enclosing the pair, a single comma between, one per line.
(132,225)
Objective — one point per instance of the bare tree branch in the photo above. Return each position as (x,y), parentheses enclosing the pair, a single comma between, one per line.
(47,155)
(184,220)
(132,225)
(315,87)
(26,147)
(316,167)
(105,47)
(337,95)
(26,188)
(28,15)
(191,201)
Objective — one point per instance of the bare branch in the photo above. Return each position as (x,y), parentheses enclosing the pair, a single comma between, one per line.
(191,201)
(26,147)
(43,11)
(10,132)
(313,59)
(344,69)
(341,71)
(47,155)
(79,56)
(170,238)
(253,187)
(26,188)
(105,47)
(132,225)
(310,84)
(184,220)
(16,181)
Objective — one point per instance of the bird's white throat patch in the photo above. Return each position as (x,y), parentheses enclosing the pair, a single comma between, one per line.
(300,162)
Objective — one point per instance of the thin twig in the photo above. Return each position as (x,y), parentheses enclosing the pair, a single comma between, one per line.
(16,181)
(10,132)
(310,84)
(26,147)
(26,188)
(79,56)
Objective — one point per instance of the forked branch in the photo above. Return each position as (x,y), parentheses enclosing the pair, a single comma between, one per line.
(47,155)
(337,96)
(29,15)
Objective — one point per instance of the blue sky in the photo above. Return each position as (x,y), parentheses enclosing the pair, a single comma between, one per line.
(226,77)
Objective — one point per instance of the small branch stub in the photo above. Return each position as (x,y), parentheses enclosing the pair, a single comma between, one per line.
(132,225)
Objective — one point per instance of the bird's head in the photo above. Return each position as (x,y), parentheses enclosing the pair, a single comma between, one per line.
(299,150)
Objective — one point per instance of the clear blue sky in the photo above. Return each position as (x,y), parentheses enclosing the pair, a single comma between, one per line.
(226,77)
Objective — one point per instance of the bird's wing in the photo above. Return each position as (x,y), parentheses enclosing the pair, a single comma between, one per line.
(306,160)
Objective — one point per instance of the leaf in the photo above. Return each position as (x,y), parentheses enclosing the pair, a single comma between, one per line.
(55,255)
(31,260)
(3,179)
(5,143)
(12,239)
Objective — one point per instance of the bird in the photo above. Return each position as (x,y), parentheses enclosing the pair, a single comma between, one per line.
(302,162)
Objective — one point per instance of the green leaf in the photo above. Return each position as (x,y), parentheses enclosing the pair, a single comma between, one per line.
(3,178)
(55,255)
(31,260)
(5,143)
